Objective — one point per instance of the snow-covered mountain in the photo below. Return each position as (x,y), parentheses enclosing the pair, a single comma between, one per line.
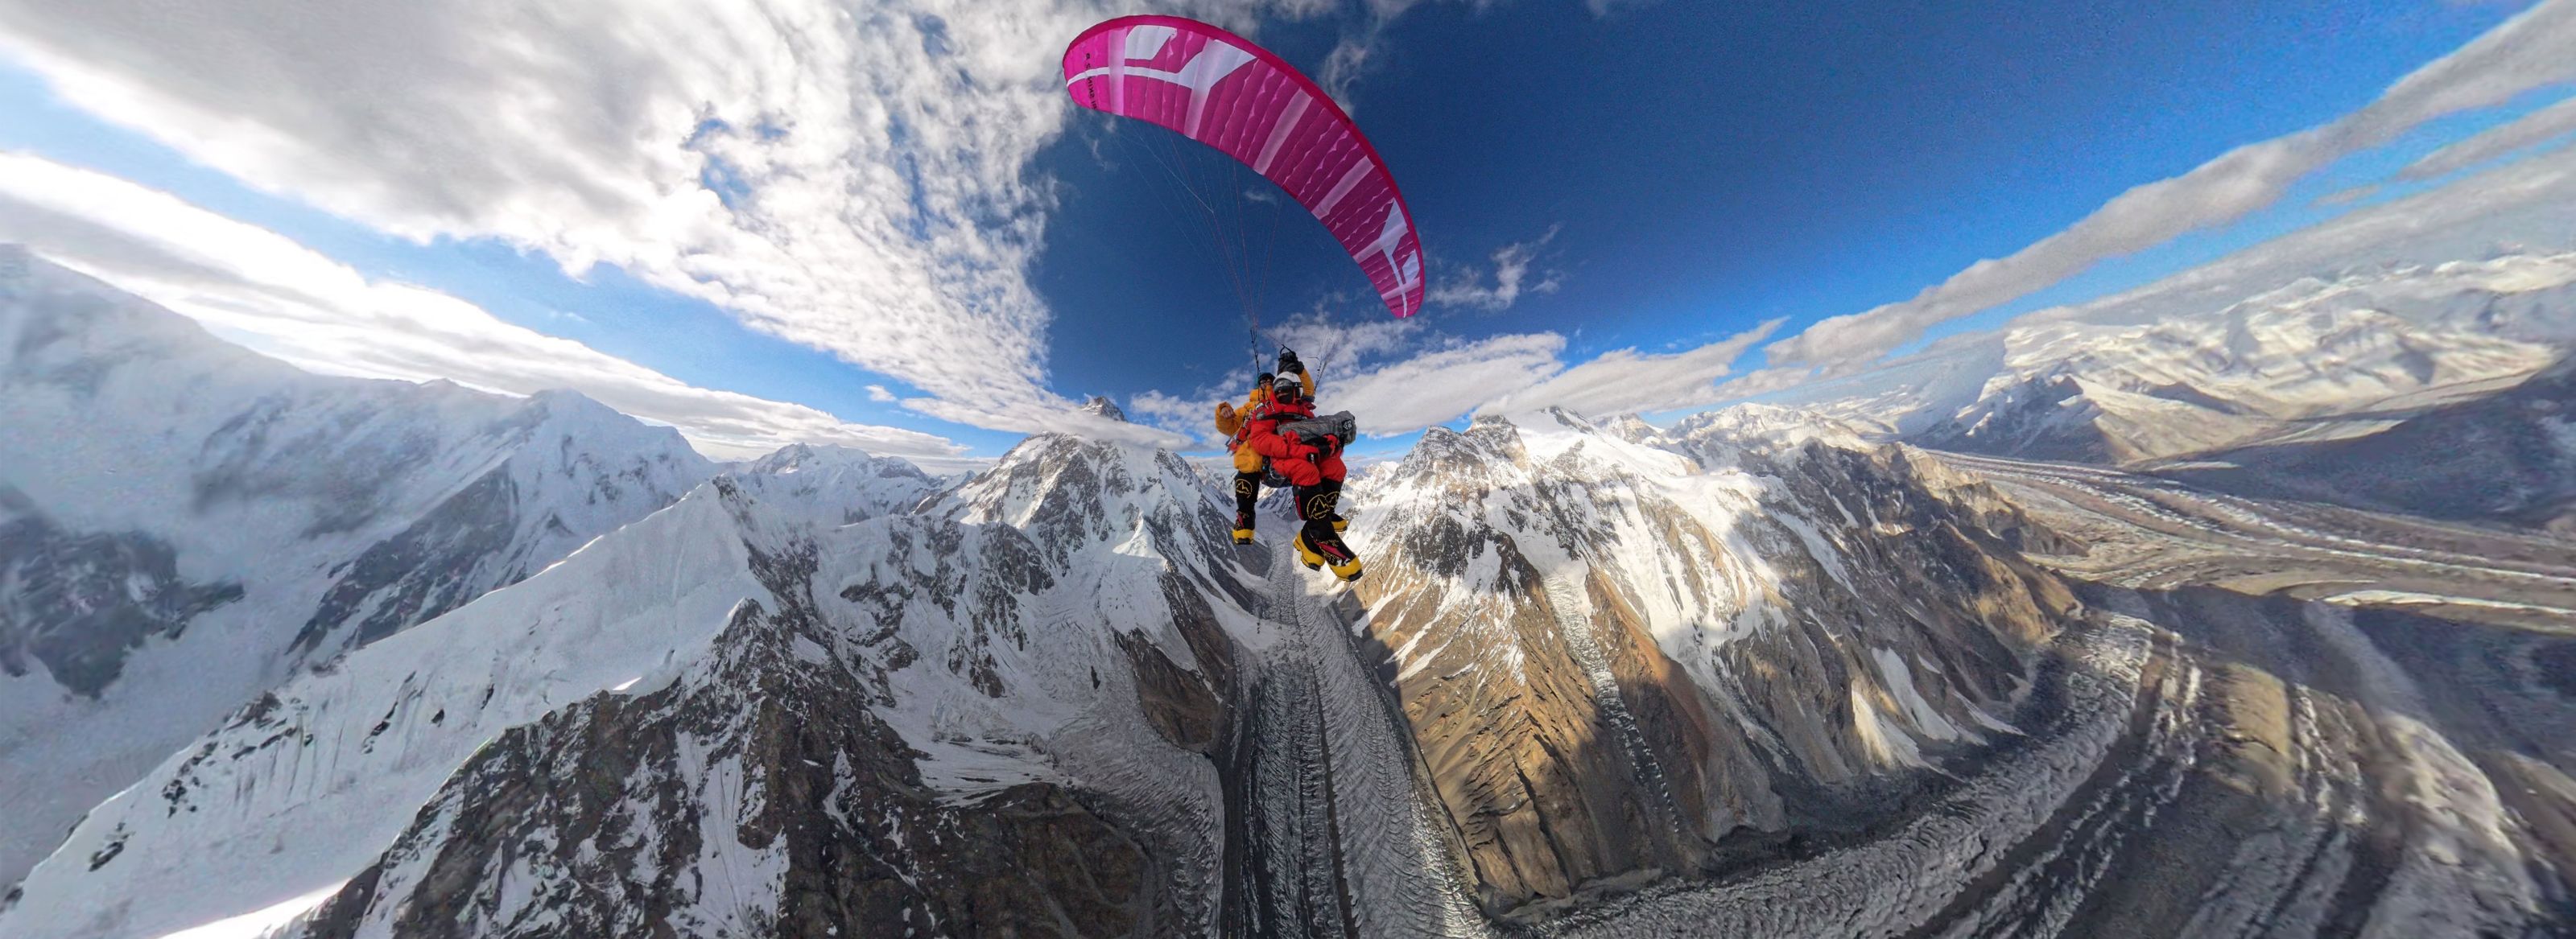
(1751,673)
(828,482)
(184,522)
(2235,354)
(1795,685)
(2314,358)
(759,695)
(1100,406)
(1059,691)
(1742,675)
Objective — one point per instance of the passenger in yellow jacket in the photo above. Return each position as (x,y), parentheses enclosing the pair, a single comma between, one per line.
(1249,466)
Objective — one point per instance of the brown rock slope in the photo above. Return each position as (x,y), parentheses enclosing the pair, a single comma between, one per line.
(1622,662)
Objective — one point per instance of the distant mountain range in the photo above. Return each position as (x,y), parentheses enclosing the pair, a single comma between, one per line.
(2272,393)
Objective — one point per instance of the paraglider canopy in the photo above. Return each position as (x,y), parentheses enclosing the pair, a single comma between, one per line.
(1215,87)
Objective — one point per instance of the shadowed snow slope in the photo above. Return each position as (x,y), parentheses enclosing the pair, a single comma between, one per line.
(183,521)
(2509,457)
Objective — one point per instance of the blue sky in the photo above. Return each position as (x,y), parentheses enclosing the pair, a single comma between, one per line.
(1715,165)
(959,254)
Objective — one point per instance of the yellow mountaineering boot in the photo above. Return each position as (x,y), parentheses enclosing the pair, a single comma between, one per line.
(1348,570)
(1243,536)
(1306,554)
(1341,524)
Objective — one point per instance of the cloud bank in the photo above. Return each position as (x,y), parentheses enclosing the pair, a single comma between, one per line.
(267,292)
(1398,376)
(1625,381)
(2522,133)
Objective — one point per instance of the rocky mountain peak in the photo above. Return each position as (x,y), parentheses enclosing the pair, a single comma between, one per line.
(1490,443)
(1498,435)
(808,458)
(1101,406)
(1634,429)
(786,459)
(1071,493)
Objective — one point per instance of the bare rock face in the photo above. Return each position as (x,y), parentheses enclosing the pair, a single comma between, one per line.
(1622,660)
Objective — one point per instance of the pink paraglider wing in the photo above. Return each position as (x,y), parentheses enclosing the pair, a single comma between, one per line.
(1218,89)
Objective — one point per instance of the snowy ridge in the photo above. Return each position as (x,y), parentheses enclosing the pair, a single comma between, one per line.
(183,522)
(309,783)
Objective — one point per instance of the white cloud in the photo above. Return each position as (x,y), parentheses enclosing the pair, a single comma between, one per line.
(1511,271)
(1349,59)
(2527,52)
(2514,208)
(1033,420)
(1763,381)
(879,394)
(2556,120)
(1194,416)
(1325,345)
(1342,357)
(1346,63)
(1397,376)
(1624,381)
(280,298)
(1444,383)
(846,174)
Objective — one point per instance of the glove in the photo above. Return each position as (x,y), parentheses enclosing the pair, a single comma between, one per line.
(1288,362)
(1318,454)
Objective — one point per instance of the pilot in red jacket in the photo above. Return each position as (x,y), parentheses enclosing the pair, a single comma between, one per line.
(1314,469)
